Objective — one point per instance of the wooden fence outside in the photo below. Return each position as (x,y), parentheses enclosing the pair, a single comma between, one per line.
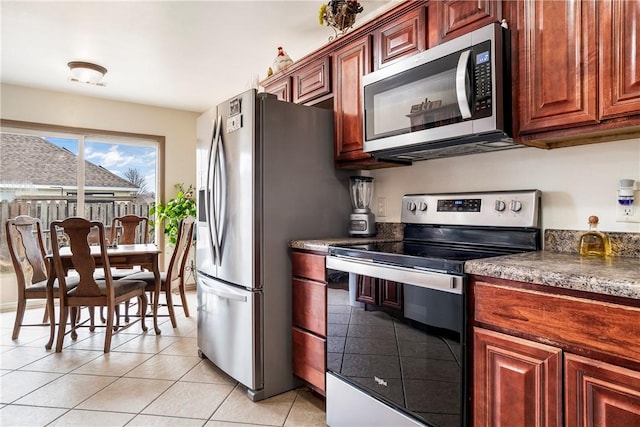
(48,210)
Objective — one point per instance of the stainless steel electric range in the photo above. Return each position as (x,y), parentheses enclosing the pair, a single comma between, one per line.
(406,365)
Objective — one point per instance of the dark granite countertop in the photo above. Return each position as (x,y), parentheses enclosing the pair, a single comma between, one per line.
(322,245)
(616,276)
(385,232)
(559,265)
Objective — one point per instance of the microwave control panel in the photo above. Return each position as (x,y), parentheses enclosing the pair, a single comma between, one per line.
(482,77)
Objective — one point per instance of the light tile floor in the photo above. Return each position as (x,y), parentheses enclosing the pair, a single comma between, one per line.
(146,380)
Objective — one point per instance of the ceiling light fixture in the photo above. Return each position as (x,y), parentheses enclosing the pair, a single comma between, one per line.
(86,72)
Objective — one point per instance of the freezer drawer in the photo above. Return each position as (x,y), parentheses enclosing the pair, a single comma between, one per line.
(229,330)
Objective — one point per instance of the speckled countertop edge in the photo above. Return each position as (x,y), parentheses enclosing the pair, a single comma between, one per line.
(385,232)
(616,276)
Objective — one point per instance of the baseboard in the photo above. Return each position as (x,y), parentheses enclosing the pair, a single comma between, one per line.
(13,305)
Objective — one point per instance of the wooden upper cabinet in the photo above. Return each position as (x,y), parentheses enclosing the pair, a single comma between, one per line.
(558,64)
(600,394)
(350,63)
(453,18)
(312,81)
(516,382)
(619,23)
(280,87)
(402,37)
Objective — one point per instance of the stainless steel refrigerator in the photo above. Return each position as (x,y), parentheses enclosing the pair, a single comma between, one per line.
(265,176)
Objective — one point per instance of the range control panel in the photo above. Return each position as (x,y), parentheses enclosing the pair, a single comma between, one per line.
(494,209)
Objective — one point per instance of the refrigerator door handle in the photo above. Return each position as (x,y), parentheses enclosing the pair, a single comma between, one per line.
(210,192)
(222,294)
(218,195)
(222,208)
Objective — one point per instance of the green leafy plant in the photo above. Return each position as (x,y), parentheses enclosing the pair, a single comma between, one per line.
(173,211)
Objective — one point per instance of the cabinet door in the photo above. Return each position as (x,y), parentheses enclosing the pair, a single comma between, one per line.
(557,51)
(457,17)
(281,88)
(401,37)
(600,394)
(312,81)
(366,291)
(515,382)
(390,294)
(619,58)
(350,63)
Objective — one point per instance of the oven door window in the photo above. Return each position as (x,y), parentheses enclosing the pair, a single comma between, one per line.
(413,367)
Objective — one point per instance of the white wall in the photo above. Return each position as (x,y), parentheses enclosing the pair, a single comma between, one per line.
(178,127)
(40,106)
(575,182)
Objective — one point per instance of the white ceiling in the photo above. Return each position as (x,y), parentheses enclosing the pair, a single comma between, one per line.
(186,55)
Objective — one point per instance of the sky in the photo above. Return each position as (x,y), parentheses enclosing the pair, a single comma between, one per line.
(117,158)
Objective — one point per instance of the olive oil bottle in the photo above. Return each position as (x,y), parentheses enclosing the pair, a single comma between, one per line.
(594,242)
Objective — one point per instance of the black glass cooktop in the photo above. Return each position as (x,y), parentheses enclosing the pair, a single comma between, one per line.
(433,257)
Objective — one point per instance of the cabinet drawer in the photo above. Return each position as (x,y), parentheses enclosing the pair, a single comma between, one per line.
(561,319)
(310,306)
(309,358)
(308,265)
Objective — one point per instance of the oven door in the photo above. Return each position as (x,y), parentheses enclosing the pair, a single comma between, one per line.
(396,370)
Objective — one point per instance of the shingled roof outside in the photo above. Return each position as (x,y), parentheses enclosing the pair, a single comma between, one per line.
(31,160)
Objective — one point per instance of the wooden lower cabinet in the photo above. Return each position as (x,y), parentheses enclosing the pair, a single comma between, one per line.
(516,382)
(309,308)
(546,358)
(600,394)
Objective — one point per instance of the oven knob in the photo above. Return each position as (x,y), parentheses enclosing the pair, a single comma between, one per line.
(515,206)
(422,206)
(411,206)
(500,205)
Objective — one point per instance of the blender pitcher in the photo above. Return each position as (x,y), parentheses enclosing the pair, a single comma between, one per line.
(362,221)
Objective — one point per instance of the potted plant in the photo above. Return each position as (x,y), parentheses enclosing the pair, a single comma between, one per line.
(173,211)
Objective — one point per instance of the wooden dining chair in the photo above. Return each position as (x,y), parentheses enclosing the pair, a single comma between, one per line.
(90,292)
(129,227)
(25,241)
(174,277)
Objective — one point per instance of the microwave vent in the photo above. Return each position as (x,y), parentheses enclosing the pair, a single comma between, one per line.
(450,149)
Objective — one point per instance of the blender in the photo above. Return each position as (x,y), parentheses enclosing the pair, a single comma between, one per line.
(362,222)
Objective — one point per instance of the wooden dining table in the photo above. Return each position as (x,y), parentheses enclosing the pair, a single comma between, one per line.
(144,255)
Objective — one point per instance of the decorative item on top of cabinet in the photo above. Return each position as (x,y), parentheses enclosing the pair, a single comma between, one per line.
(452,18)
(580,86)
(400,37)
(339,15)
(282,60)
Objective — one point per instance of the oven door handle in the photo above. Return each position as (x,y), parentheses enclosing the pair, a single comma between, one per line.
(425,279)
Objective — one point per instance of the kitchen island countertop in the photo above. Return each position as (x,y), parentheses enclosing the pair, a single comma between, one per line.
(615,276)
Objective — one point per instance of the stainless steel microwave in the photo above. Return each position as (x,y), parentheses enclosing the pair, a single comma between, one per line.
(450,100)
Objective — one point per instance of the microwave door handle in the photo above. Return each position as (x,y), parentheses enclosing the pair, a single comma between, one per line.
(461,84)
